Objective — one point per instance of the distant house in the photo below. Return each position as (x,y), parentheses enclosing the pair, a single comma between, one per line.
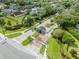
(7,11)
(0,0)
(34,11)
(40,10)
(12,8)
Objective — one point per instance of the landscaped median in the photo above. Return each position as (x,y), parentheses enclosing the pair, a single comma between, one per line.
(13,35)
(42,49)
(27,41)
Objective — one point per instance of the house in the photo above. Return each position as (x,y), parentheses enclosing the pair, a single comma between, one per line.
(42,30)
(0,1)
(7,11)
(34,11)
(12,8)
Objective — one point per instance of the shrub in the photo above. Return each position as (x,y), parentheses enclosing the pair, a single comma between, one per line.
(68,39)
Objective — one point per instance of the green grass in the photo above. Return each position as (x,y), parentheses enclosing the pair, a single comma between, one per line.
(1,30)
(12,31)
(16,18)
(67,53)
(75,45)
(48,25)
(76,40)
(53,49)
(36,34)
(42,49)
(74,32)
(27,41)
(13,23)
(13,35)
(67,39)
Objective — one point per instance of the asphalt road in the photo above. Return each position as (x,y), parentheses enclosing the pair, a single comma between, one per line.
(9,52)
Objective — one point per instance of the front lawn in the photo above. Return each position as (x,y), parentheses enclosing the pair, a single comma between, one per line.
(53,49)
(15,18)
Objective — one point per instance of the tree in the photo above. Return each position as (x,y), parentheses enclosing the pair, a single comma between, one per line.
(38,18)
(29,21)
(9,23)
(58,8)
(49,9)
(67,3)
(65,19)
(73,53)
(58,34)
(66,39)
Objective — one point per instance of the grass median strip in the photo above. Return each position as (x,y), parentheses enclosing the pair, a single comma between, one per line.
(27,41)
(13,35)
(42,49)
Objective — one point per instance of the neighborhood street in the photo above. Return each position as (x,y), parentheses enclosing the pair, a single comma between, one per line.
(16,42)
(30,32)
